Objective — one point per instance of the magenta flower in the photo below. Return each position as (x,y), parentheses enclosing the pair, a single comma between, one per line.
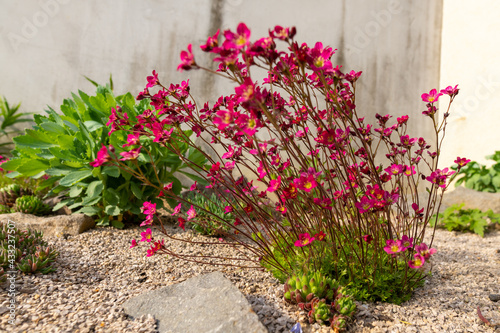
(451,91)
(424,251)
(306,182)
(230,165)
(406,243)
(177,209)
(368,238)
(239,39)
(364,205)
(187,59)
(282,33)
(130,155)
(146,236)
(418,262)
(223,118)
(132,139)
(409,171)
(152,80)
(245,92)
(274,184)
(438,177)
(431,97)
(102,157)
(402,120)
(461,162)
(393,247)
(149,208)
(228,209)
(304,240)
(320,236)
(191,213)
(260,169)
(182,223)
(394,169)
(134,243)
(211,43)
(193,187)
(319,58)
(325,202)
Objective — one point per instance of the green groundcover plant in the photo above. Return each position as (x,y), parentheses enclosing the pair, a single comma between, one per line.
(63,146)
(315,200)
(459,219)
(480,178)
(9,117)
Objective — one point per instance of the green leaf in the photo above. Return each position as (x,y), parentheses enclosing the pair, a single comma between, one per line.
(75,191)
(61,204)
(112,210)
(90,211)
(495,181)
(136,190)
(33,167)
(117,224)
(111,196)
(112,171)
(29,141)
(93,125)
(12,164)
(74,177)
(95,188)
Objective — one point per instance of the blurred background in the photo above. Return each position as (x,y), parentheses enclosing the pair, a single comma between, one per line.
(404,48)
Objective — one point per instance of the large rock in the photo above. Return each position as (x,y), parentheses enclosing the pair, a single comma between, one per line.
(58,225)
(472,199)
(207,303)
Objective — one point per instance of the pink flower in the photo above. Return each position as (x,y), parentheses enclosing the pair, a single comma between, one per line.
(438,177)
(230,165)
(431,97)
(130,155)
(450,91)
(306,182)
(148,208)
(461,162)
(211,43)
(319,58)
(132,139)
(282,33)
(182,223)
(177,209)
(394,169)
(418,262)
(392,247)
(187,59)
(304,240)
(261,170)
(402,120)
(223,118)
(274,184)
(102,157)
(245,92)
(191,213)
(320,236)
(368,238)
(409,171)
(228,209)
(152,80)
(424,251)
(134,243)
(146,236)
(193,187)
(364,205)
(239,39)
(406,242)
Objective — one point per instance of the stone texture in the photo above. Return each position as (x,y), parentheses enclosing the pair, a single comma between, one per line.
(472,199)
(58,225)
(206,303)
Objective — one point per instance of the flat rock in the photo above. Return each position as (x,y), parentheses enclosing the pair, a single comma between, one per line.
(207,303)
(57,225)
(472,199)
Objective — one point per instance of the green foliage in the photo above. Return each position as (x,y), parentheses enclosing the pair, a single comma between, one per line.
(31,253)
(210,214)
(385,286)
(63,145)
(472,220)
(321,297)
(10,193)
(29,204)
(9,116)
(480,178)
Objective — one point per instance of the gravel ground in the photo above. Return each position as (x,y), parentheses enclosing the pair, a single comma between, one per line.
(97,272)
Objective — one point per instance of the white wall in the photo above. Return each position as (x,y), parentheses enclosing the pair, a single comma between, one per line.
(470,57)
(47,46)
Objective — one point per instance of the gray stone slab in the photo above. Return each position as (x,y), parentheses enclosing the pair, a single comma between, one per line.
(58,225)
(207,303)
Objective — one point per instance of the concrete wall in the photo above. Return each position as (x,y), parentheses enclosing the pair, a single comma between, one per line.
(470,58)
(47,46)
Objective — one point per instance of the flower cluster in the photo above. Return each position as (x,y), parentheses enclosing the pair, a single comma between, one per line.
(308,158)
(395,247)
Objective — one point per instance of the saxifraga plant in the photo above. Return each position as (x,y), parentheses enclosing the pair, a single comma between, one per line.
(299,138)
